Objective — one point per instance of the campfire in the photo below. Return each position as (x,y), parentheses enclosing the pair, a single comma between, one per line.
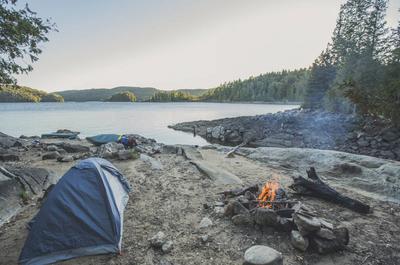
(269,192)
(271,206)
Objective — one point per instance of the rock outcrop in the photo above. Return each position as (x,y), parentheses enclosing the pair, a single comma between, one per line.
(303,129)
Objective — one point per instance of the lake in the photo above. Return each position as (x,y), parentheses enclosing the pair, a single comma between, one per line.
(147,119)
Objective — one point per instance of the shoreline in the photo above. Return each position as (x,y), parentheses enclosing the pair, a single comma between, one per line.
(176,186)
(302,129)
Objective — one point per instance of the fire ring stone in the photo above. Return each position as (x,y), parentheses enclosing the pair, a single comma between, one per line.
(262,255)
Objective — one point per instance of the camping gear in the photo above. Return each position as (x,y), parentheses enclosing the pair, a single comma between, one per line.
(82,215)
(127,140)
(104,139)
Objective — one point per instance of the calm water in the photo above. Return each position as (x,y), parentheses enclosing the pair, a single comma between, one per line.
(147,119)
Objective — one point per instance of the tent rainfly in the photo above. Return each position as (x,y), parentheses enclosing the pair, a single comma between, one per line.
(82,215)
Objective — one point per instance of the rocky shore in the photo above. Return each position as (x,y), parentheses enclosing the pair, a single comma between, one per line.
(176,215)
(303,129)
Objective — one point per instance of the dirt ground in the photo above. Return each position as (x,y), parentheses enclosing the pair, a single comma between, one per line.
(176,198)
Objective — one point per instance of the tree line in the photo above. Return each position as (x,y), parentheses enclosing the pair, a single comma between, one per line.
(275,86)
(359,71)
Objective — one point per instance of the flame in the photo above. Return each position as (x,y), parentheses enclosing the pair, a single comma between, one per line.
(268,194)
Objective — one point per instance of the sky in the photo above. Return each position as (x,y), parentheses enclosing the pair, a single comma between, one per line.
(176,44)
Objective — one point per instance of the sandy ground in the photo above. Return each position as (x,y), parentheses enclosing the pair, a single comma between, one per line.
(172,200)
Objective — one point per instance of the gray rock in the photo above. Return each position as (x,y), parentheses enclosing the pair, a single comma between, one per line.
(158,240)
(243,219)
(169,149)
(74,148)
(362,142)
(298,241)
(306,224)
(154,163)
(9,157)
(390,134)
(65,159)
(266,216)
(51,148)
(125,154)
(205,222)
(387,154)
(234,208)
(165,262)
(205,238)
(326,234)
(7,141)
(219,211)
(167,246)
(262,255)
(51,155)
(217,132)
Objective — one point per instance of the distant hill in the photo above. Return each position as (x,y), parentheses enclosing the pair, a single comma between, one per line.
(102,94)
(9,93)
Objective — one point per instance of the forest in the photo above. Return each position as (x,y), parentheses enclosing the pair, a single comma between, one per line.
(13,93)
(359,71)
(270,87)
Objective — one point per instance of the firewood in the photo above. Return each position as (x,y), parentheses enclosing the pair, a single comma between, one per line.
(317,188)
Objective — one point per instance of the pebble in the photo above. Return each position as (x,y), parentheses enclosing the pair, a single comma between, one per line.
(158,240)
(205,222)
(219,211)
(204,238)
(262,255)
(167,246)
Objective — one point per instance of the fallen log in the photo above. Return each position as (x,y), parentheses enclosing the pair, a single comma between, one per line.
(317,188)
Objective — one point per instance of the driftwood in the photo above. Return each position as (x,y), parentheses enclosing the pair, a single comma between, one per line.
(231,152)
(317,188)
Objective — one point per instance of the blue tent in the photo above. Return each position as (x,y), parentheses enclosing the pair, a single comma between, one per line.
(82,215)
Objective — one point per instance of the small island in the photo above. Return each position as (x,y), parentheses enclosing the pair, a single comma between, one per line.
(122,97)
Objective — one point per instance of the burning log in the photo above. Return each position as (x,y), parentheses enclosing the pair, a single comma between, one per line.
(317,188)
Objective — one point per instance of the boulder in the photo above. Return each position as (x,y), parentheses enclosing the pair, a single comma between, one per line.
(9,157)
(127,154)
(51,155)
(7,141)
(262,255)
(110,150)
